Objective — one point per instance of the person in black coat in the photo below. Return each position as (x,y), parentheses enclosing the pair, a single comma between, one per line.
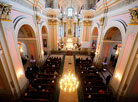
(108,79)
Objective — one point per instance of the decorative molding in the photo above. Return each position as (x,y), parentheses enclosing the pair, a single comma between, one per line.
(37,3)
(38,19)
(134,16)
(52,22)
(88,17)
(27,39)
(87,23)
(101,21)
(51,15)
(102,5)
(5,11)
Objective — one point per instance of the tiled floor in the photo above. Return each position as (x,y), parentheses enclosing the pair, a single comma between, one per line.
(68,96)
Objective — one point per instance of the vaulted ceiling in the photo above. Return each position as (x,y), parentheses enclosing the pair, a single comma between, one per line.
(76,4)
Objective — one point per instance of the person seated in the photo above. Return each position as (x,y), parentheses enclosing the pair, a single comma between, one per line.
(55,73)
(55,77)
(25,94)
(86,89)
(32,59)
(105,64)
(89,96)
(26,57)
(24,61)
(90,89)
(53,66)
(39,87)
(108,79)
(35,69)
(87,59)
(101,91)
(53,81)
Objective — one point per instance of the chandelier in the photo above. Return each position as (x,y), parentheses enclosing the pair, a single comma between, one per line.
(69,83)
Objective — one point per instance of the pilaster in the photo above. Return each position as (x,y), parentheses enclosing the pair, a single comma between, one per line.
(53,25)
(11,52)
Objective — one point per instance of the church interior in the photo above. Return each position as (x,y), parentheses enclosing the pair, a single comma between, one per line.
(68,50)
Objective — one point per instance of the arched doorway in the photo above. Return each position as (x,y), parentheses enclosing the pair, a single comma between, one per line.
(45,39)
(112,44)
(26,43)
(94,39)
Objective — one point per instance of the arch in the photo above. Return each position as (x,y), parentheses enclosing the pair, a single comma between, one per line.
(94,36)
(27,32)
(43,24)
(95,26)
(44,33)
(112,43)
(95,31)
(26,37)
(118,25)
(113,34)
(22,22)
(44,30)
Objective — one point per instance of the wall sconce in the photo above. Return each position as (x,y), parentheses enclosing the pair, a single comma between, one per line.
(21,50)
(20,47)
(19,73)
(96,53)
(117,53)
(118,76)
(137,55)
(42,52)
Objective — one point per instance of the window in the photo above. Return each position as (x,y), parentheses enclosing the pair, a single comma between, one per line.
(70,12)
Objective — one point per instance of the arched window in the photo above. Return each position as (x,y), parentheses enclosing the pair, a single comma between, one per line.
(70,12)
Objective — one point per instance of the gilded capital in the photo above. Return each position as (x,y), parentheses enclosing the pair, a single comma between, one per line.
(134,16)
(5,11)
(38,19)
(101,21)
(52,22)
(87,23)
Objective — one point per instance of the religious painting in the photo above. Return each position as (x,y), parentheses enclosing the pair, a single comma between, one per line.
(94,42)
(45,42)
(69,31)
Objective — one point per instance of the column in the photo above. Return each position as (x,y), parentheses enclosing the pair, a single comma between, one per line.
(53,31)
(98,54)
(86,30)
(125,79)
(10,56)
(39,40)
(65,31)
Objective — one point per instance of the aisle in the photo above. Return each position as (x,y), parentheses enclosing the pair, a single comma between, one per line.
(68,96)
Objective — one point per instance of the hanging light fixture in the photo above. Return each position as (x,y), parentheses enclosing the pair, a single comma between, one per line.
(69,82)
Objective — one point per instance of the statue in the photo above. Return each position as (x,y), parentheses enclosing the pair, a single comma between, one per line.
(5,11)
(134,15)
(69,31)
(38,19)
